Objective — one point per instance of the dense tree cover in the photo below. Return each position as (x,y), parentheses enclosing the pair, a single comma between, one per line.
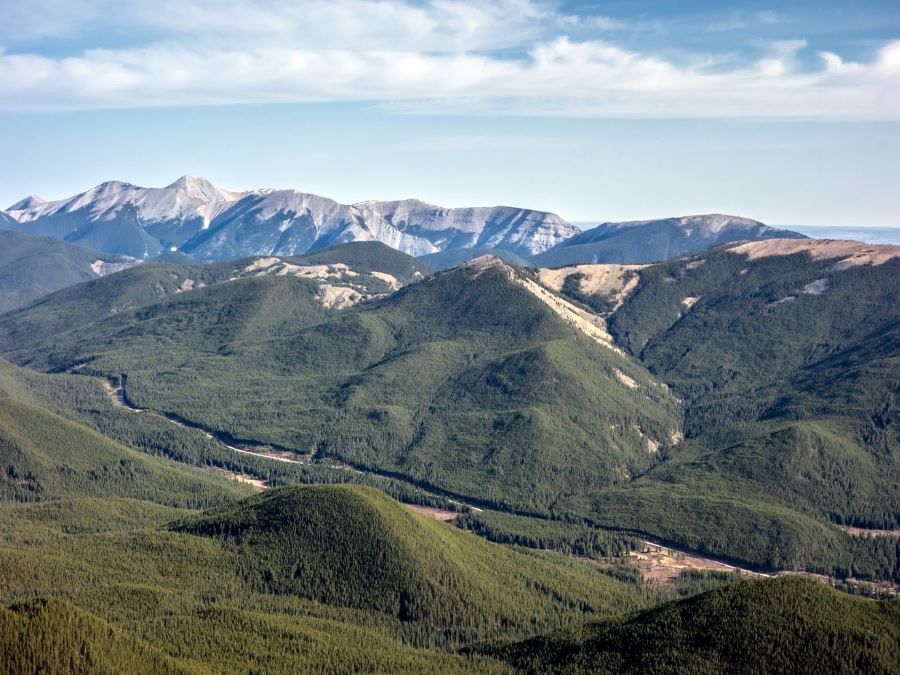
(282,302)
(464,382)
(82,399)
(53,636)
(466,385)
(788,625)
(569,537)
(790,409)
(354,547)
(43,455)
(326,578)
(367,257)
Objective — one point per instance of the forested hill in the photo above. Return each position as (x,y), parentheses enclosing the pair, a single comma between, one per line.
(468,381)
(32,267)
(785,354)
(785,625)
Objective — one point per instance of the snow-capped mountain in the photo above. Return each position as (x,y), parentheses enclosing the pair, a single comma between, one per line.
(642,241)
(210,223)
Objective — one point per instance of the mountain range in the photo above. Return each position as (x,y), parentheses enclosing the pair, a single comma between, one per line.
(210,223)
(195,217)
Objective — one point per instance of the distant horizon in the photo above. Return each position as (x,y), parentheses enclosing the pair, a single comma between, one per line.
(581,223)
(785,114)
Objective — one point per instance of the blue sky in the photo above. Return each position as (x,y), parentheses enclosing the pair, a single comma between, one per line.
(595,110)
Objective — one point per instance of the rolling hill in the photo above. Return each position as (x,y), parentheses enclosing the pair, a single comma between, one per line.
(355,547)
(480,382)
(335,278)
(785,625)
(785,355)
(119,565)
(739,402)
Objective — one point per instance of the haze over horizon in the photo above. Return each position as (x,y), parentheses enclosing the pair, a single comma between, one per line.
(597,112)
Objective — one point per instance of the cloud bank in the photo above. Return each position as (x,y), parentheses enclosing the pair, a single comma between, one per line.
(517,57)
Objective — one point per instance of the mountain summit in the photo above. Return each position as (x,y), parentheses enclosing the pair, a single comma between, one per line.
(211,223)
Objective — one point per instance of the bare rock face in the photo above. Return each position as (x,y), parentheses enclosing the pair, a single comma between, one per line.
(210,223)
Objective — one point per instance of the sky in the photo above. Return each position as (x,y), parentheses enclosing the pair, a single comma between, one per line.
(784,112)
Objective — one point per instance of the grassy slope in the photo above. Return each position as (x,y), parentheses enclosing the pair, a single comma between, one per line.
(787,625)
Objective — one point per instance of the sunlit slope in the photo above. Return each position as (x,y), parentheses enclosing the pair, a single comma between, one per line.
(465,381)
(787,360)
(48,457)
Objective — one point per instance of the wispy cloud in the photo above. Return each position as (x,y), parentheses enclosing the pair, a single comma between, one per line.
(449,56)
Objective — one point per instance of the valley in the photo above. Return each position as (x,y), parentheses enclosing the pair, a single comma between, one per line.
(471,339)
(659,564)
(524,449)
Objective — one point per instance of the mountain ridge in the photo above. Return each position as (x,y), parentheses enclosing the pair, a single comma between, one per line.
(646,241)
(212,223)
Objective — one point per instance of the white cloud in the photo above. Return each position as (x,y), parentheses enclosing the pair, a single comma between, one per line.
(440,56)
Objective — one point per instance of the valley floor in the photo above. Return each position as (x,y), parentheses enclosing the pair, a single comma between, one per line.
(660,565)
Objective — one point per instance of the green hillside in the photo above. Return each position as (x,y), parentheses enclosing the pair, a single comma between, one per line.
(367,257)
(790,402)
(32,267)
(465,382)
(787,625)
(299,578)
(355,547)
(53,636)
(132,289)
(46,456)
(289,580)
